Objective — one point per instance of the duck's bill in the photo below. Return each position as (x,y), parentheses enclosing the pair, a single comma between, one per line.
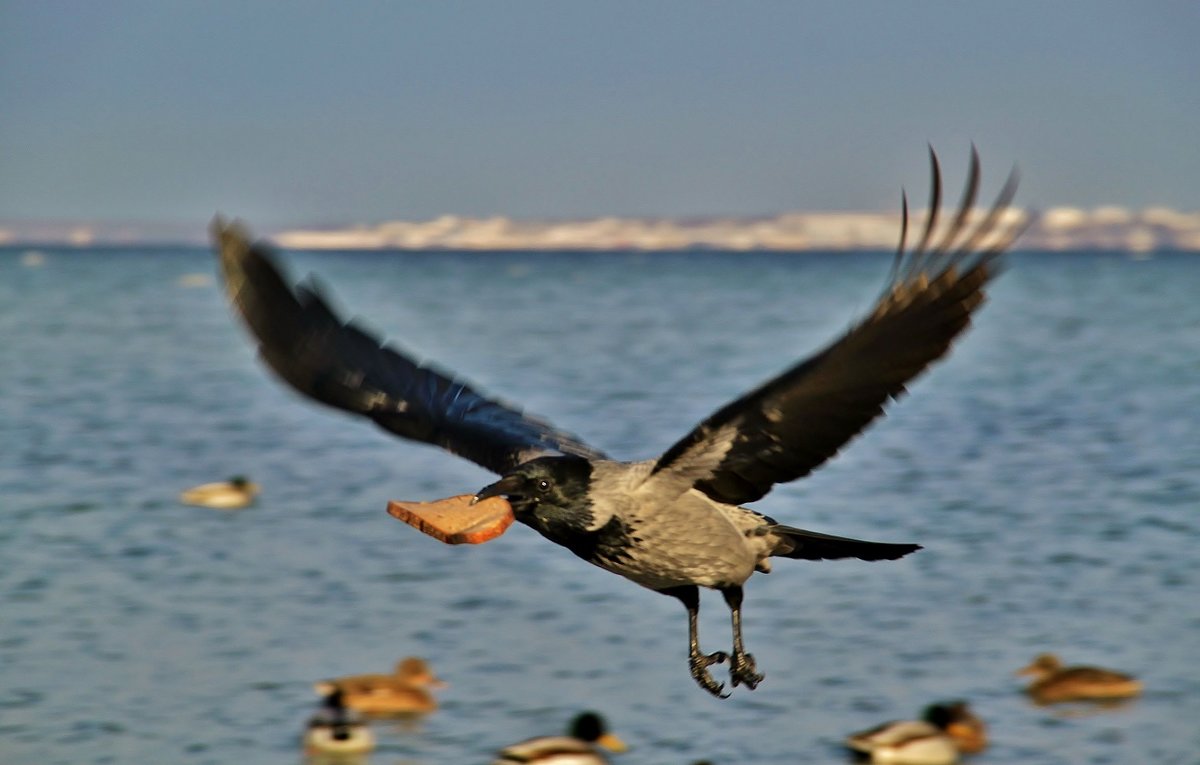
(612,743)
(457,520)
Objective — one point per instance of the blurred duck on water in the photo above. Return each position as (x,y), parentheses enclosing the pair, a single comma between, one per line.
(404,692)
(582,745)
(1054,683)
(945,731)
(234,494)
(336,730)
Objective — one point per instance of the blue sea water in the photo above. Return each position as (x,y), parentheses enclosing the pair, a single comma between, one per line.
(1050,467)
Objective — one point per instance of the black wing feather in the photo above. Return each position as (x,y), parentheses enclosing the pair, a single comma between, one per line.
(795,422)
(344,366)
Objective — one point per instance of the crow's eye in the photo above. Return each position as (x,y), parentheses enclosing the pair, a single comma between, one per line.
(543,486)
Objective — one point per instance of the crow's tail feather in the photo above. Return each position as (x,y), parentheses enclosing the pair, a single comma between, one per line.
(811,545)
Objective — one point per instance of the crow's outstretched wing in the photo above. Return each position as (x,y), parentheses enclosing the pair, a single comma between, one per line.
(340,364)
(793,423)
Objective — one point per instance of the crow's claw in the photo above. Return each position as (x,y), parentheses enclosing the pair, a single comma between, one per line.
(743,671)
(700,664)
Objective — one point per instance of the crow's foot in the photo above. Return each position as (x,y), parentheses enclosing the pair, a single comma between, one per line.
(743,671)
(700,664)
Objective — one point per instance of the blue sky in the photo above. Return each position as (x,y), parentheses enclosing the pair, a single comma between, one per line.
(308,113)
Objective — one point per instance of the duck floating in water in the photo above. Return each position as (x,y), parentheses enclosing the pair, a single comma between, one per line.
(1053,683)
(234,494)
(404,692)
(945,731)
(581,746)
(335,730)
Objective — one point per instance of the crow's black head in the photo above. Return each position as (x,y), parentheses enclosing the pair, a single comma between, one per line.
(550,494)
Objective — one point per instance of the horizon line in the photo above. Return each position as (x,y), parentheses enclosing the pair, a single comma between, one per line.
(1057,228)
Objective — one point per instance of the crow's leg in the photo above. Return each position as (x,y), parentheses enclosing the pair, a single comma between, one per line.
(690,596)
(741,667)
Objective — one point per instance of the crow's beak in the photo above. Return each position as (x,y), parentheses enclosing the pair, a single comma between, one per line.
(507,485)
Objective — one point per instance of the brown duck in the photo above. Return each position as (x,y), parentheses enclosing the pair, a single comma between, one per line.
(1053,683)
(404,692)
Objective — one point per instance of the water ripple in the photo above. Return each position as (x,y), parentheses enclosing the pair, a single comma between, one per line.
(1049,468)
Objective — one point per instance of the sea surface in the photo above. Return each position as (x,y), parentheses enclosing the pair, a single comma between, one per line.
(1050,467)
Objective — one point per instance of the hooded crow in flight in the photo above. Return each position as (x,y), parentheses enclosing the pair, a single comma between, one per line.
(676,522)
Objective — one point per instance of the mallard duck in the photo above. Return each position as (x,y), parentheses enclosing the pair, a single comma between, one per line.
(1052,682)
(944,731)
(404,692)
(334,729)
(234,494)
(587,732)
(960,723)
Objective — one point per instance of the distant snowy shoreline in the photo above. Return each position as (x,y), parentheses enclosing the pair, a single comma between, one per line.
(1061,228)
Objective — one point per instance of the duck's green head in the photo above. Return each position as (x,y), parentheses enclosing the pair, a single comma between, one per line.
(590,727)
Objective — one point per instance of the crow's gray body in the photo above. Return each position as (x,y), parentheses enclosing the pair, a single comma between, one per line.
(675,540)
(677,522)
